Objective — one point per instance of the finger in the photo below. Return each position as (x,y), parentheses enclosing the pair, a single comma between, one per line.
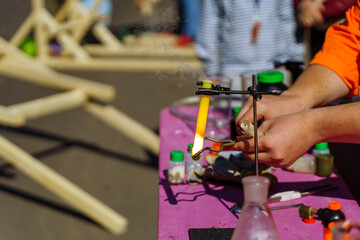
(265,157)
(246,107)
(244,144)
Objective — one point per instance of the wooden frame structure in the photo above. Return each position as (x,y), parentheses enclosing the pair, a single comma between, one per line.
(76,92)
(69,27)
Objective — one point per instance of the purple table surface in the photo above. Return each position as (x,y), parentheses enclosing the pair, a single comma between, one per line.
(208,205)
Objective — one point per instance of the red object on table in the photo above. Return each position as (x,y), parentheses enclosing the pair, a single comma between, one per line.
(208,205)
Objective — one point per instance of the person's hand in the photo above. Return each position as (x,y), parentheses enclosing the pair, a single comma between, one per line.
(285,139)
(271,106)
(310,12)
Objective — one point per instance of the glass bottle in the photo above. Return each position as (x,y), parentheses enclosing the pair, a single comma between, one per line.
(270,80)
(255,220)
(191,164)
(321,148)
(176,169)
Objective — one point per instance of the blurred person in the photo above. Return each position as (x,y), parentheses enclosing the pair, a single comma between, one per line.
(315,12)
(300,117)
(189,11)
(234,37)
(315,16)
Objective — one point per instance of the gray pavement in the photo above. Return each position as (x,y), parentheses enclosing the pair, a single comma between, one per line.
(86,151)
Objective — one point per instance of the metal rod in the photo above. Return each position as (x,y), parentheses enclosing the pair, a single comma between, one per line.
(255,126)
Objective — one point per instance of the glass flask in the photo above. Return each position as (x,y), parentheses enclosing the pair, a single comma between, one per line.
(255,221)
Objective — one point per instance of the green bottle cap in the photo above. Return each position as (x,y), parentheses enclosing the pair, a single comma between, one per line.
(321,146)
(177,156)
(270,77)
(237,110)
(190,147)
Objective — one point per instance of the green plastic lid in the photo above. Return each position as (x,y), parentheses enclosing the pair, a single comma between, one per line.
(189,147)
(237,110)
(321,146)
(177,156)
(270,77)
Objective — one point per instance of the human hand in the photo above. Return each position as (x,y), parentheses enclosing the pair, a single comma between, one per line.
(311,12)
(270,106)
(285,139)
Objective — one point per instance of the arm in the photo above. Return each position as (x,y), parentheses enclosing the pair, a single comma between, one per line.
(310,12)
(288,137)
(207,40)
(295,120)
(334,73)
(317,86)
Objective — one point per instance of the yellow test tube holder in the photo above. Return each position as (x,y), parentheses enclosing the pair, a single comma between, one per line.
(201,120)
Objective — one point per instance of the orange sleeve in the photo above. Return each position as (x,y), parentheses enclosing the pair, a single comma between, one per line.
(341,49)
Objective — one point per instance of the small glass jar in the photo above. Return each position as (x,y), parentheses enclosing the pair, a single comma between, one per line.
(270,80)
(191,164)
(176,169)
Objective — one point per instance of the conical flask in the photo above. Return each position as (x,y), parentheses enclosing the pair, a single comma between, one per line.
(255,221)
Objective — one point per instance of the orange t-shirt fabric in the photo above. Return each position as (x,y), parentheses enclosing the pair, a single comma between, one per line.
(341,49)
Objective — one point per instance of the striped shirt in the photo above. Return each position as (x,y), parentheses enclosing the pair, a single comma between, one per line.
(224,40)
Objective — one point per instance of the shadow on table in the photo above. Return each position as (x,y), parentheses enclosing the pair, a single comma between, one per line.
(234,194)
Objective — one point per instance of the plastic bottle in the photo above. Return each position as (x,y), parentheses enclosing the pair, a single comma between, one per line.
(304,164)
(191,164)
(176,169)
(255,220)
(270,80)
(321,148)
(233,132)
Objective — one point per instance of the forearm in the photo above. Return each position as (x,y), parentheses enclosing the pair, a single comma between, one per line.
(336,123)
(318,86)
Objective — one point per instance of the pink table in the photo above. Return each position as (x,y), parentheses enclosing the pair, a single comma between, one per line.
(208,205)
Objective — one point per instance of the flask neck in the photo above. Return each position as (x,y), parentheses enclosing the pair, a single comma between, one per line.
(255,189)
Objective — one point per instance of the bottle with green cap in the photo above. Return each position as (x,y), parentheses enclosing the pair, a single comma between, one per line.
(270,80)
(233,132)
(191,164)
(176,168)
(321,148)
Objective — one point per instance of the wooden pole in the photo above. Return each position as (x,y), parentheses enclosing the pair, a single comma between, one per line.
(56,80)
(126,126)
(9,118)
(143,65)
(62,187)
(87,20)
(141,51)
(48,105)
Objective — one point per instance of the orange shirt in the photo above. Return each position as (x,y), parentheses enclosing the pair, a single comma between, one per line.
(341,49)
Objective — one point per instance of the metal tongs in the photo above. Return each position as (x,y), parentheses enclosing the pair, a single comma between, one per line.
(224,143)
(217,90)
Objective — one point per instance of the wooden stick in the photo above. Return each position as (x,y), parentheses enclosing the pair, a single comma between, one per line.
(106,37)
(56,80)
(48,105)
(12,53)
(63,188)
(141,51)
(24,30)
(9,118)
(124,64)
(80,31)
(64,38)
(126,125)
